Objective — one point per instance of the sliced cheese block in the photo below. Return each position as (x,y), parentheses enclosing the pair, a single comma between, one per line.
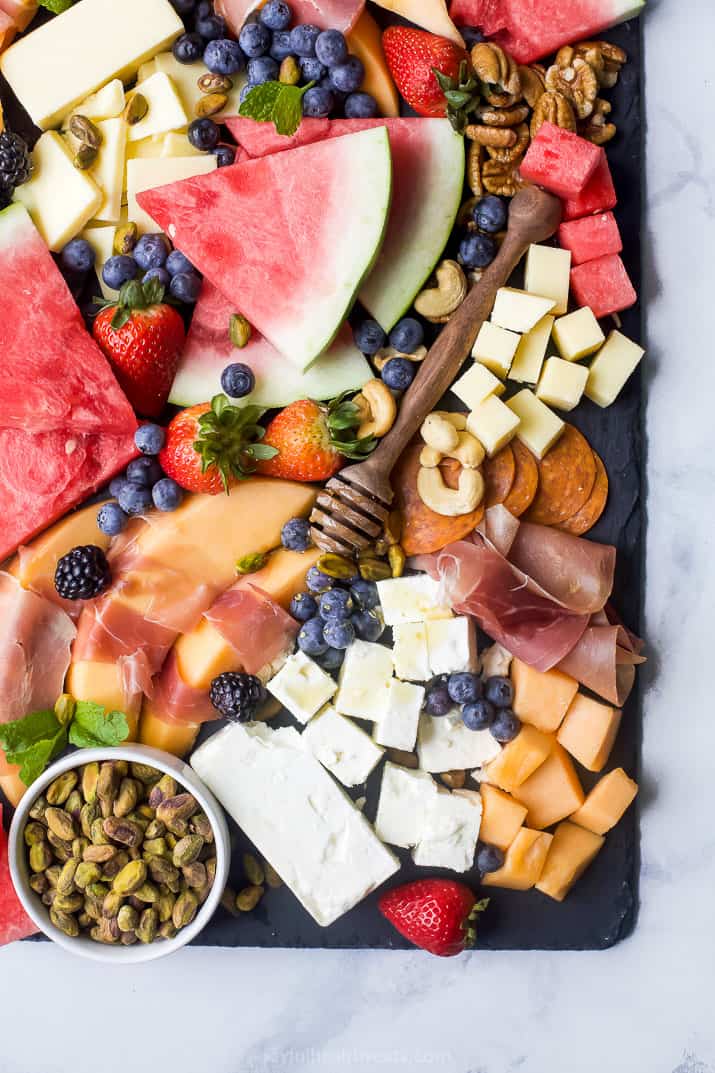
(578,335)
(518,311)
(562,384)
(185,78)
(530,354)
(570,853)
(106,103)
(108,171)
(494,424)
(476,385)
(547,274)
(520,758)
(502,817)
(611,368)
(541,698)
(538,427)
(523,863)
(589,731)
(553,792)
(146,174)
(164,112)
(495,347)
(101,239)
(606,803)
(59,198)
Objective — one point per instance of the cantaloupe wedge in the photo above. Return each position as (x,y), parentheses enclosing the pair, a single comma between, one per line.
(430,15)
(365,42)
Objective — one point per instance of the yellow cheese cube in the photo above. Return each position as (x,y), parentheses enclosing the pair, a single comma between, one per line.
(147,148)
(606,803)
(548,273)
(519,759)
(495,347)
(578,335)
(108,170)
(165,110)
(145,174)
(589,731)
(553,792)
(530,354)
(101,239)
(562,383)
(59,197)
(570,854)
(106,103)
(524,861)
(493,424)
(610,369)
(502,817)
(539,428)
(519,311)
(476,385)
(541,698)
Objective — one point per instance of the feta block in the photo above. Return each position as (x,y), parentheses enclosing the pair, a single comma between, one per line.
(476,385)
(562,384)
(530,354)
(411,599)
(146,174)
(495,348)
(60,63)
(397,728)
(185,77)
(539,427)
(518,311)
(610,369)
(451,831)
(107,103)
(165,111)
(302,687)
(409,652)
(59,197)
(495,660)
(108,170)
(101,239)
(578,335)
(405,798)
(452,645)
(445,744)
(365,678)
(548,274)
(296,815)
(493,423)
(342,747)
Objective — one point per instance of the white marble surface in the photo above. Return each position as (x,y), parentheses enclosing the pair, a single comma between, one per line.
(645,1006)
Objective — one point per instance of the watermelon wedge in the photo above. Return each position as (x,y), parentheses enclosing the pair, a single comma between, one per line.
(293,235)
(14,921)
(279,382)
(428,178)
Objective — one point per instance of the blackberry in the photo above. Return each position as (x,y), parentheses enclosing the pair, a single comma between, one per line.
(14,162)
(236,696)
(82,573)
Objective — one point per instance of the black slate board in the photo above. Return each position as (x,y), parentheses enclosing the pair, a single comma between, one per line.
(602,908)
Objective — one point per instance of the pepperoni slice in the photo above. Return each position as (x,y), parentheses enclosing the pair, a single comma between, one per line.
(499,474)
(422,530)
(594,506)
(566,478)
(526,480)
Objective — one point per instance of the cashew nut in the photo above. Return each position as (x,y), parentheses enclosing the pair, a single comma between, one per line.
(381,406)
(430,458)
(387,353)
(458,420)
(450,502)
(439,433)
(441,301)
(468,451)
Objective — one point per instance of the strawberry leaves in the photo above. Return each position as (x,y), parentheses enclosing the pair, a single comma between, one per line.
(462,95)
(343,419)
(229,440)
(133,295)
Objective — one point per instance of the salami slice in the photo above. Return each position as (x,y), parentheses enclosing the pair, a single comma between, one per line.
(526,480)
(566,478)
(594,506)
(499,474)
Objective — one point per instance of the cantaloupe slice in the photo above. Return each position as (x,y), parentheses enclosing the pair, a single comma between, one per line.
(552,792)
(606,803)
(589,731)
(34,567)
(502,817)
(570,853)
(520,758)
(541,698)
(365,42)
(523,863)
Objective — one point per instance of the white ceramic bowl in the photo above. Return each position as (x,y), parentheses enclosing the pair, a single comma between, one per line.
(83,945)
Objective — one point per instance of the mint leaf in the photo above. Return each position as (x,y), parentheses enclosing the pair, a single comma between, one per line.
(277,103)
(57,6)
(259,103)
(34,759)
(92,726)
(22,734)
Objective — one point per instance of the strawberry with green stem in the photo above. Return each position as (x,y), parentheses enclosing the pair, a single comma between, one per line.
(433,74)
(438,915)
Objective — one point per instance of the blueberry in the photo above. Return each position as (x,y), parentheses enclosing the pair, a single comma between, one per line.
(317,581)
(116,484)
(310,638)
(472,36)
(224,57)
(477,251)
(368,625)
(186,287)
(77,256)
(225,155)
(398,373)
(464,688)
(254,39)
(490,214)
(157,273)
(178,262)
(331,48)
(167,494)
(312,68)
(145,471)
(276,15)
(183,7)
(188,48)
(407,335)
(336,605)
(134,498)
(361,106)
(338,97)
(369,337)
(303,38)
(438,701)
(295,534)
(332,659)
(281,48)
(499,691)
(237,380)
(489,858)
(204,134)
(348,76)
(318,103)
(262,69)
(111,519)
(303,606)
(149,439)
(339,634)
(211,27)
(506,726)
(151,251)
(478,715)
(365,594)
(119,270)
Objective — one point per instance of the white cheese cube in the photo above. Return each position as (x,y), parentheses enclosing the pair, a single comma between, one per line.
(146,174)
(107,103)
(101,239)
(365,678)
(548,274)
(539,427)
(445,744)
(562,384)
(302,687)
(411,599)
(342,747)
(165,111)
(409,652)
(495,347)
(530,354)
(397,727)
(452,646)
(578,335)
(495,661)
(476,385)
(108,169)
(493,423)
(175,143)
(185,77)
(611,367)
(405,798)
(60,198)
(451,831)
(296,815)
(519,311)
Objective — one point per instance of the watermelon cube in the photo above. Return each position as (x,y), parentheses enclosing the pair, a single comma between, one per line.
(603,285)
(591,237)
(599,195)
(14,921)
(560,161)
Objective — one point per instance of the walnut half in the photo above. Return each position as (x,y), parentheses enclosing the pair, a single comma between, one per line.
(605,58)
(553,108)
(499,73)
(502,179)
(596,128)
(575,79)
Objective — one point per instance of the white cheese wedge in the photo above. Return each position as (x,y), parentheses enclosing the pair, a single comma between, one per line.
(108,171)
(451,831)
(445,744)
(530,354)
(342,747)
(405,798)
(107,103)
(60,198)
(539,427)
(548,274)
(297,817)
(493,423)
(562,384)
(364,681)
(411,599)
(146,174)
(409,652)
(60,63)
(101,239)
(185,77)
(495,347)
(397,728)
(302,687)
(518,311)
(452,646)
(165,111)
(611,367)
(578,335)
(476,385)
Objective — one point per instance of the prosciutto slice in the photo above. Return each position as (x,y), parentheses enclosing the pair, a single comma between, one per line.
(175,701)
(605,658)
(328,14)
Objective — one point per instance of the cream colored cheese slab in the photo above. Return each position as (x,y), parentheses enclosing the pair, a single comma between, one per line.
(185,77)
(397,726)
(405,799)
(342,747)
(493,423)
(530,354)
(562,384)
(539,427)
(495,348)
(578,335)
(107,103)
(60,198)
(108,171)
(548,274)
(146,174)
(451,831)
(477,384)
(445,744)
(165,111)
(518,311)
(611,368)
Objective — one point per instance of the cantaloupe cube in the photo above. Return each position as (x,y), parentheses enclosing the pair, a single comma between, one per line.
(606,803)
(572,850)
(589,731)
(541,698)
(520,758)
(553,792)
(524,861)
(502,817)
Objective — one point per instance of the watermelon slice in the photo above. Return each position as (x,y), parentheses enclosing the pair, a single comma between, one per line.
(531,29)
(14,921)
(209,350)
(560,161)
(294,234)
(428,176)
(598,195)
(590,237)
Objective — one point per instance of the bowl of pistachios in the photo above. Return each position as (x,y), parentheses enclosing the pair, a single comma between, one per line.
(119,854)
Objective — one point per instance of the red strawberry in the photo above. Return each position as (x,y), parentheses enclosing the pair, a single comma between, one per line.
(412,55)
(313,441)
(143,338)
(438,915)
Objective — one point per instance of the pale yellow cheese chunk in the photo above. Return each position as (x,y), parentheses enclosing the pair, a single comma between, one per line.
(578,335)
(176,143)
(165,110)
(530,354)
(185,77)
(148,148)
(495,348)
(493,423)
(108,171)
(106,103)
(548,274)
(476,385)
(539,427)
(518,311)
(611,367)
(101,239)
(562,383)
(59,197)
(147,174)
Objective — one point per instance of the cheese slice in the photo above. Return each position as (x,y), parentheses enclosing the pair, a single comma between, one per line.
(530,354)
(548,274)
(165,111)
(518,311)
(562,383)
(101,239)
(59,197)
(107,103)
(185,77)
(146,174)
(539,427)
(611,368)
(108,172)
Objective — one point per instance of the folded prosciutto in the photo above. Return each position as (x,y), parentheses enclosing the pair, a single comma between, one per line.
(328,14)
